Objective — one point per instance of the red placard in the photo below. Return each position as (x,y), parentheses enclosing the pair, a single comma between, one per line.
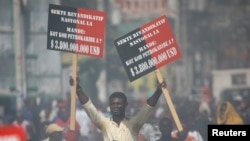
(165,49)
(147,48)
(12,133)
(76,30)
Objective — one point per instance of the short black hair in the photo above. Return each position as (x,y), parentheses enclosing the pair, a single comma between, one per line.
(166,120)
(118,95)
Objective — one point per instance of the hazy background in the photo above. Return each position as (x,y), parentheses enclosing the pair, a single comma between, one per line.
(212,35)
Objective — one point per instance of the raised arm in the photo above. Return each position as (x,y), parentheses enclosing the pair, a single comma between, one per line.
(155,97)
(83,98)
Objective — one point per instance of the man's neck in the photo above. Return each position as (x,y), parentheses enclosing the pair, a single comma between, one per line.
(118,119)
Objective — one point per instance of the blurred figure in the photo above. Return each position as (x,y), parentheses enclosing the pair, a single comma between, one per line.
(27,126)
(26,110)
(188,133)
(202,120)
(227,114)
(43,136)
(246,114)
(84,121)
(166,128)
(54,132)
(1,122)
(64,121)
(148,131)
(48,113)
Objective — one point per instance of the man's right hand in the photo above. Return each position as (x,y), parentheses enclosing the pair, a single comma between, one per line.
(81,95)
(71,81)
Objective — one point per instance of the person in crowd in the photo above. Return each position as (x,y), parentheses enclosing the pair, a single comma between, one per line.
(43,136)
(27,126)
(166,128)
(64,121)
(118,127)
(54,132)
(26,110)
(202,120)
(35,108)
(1,121)
(149,130)
(227,114)
(246,114)
(187,134)
(188,112)
(84,121)
(48,113)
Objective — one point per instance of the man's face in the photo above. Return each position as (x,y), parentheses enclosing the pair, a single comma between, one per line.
(64,114)
(56,136)
(166,126)
(117,107)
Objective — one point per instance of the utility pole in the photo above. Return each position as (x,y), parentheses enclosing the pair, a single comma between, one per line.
(185,70)
(19,45)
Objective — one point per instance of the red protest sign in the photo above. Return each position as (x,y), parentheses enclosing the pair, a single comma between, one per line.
(76,30)
(147,48)
(12,133)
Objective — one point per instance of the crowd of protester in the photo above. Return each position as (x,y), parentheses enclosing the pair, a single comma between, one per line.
(35,116)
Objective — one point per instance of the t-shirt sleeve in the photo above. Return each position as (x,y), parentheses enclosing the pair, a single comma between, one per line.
(95,116)
(142,116)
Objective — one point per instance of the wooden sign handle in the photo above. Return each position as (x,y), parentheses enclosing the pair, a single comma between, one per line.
(169,102)
(73,93)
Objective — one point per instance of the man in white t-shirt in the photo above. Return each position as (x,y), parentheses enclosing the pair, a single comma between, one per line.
(84,121)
